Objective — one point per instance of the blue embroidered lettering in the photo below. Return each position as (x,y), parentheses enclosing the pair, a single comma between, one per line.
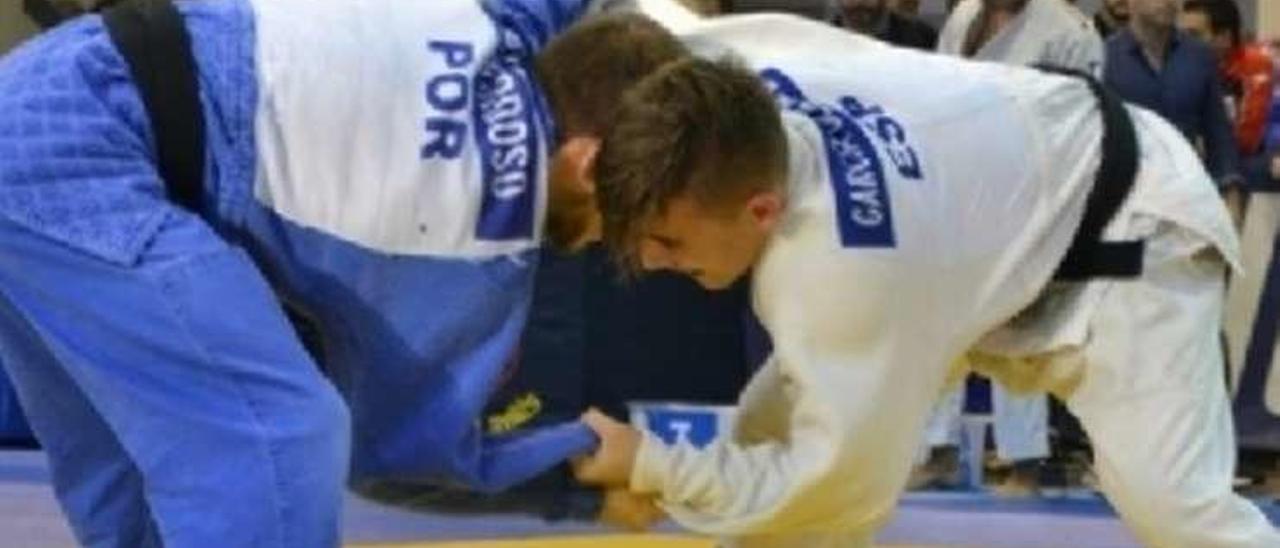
(456,54)
(448,92)
(858,181)
(445,138)
(867,210)
(509,185)
(507,136)
(447,95)
(510,158)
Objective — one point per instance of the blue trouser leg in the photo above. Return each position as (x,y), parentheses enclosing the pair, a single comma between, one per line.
(94,477)
(186,357)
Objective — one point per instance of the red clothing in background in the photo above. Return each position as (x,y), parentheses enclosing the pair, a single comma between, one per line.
(1250,71)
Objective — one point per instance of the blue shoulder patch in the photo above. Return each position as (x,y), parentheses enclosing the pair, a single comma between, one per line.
(512,116)
(537,20)
(507,136)
(863,210)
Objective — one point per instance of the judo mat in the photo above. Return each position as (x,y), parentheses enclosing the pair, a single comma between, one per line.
(29,517)
(593,541)
(600,541)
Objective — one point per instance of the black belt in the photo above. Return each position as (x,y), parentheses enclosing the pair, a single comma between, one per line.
(1089,256)
(151,36)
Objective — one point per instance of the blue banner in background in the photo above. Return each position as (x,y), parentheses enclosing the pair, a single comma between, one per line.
(697,428)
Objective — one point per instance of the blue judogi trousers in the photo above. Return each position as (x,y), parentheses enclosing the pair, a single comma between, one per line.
(154,362)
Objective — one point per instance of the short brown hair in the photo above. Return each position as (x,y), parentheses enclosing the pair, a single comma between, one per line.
(585,70)
(704,129)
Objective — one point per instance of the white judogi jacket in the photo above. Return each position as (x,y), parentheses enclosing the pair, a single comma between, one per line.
(1050,32)
(927,208)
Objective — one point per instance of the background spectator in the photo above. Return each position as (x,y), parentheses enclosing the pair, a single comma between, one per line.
(875,18)
(1111,16)
(1155,65)
(905,8)
(1267,165)
(1022,32)
(822,10)
(1247,69)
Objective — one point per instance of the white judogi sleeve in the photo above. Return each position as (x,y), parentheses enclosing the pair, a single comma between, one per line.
(1049,32)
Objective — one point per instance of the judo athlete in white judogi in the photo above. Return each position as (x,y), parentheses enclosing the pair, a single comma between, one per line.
(1044,32)
(894,220)
(1017,32)
(388,168)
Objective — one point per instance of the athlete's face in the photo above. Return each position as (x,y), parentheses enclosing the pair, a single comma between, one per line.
(713,246)
(1156,13)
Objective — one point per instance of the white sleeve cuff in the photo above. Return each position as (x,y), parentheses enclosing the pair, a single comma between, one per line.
(649,472)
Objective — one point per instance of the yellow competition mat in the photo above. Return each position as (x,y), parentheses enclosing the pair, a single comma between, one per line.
(595,541)
(598,541)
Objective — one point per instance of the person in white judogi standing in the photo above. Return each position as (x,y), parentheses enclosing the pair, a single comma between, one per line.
(893,221)
(1017,32)
(1023,32)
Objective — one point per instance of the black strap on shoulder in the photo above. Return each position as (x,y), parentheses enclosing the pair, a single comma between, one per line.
(1089,256)
(151,36)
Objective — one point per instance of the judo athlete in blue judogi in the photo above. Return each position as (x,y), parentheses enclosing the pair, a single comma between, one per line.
(387,168)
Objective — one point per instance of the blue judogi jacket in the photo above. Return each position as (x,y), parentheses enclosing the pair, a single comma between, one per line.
(384,164)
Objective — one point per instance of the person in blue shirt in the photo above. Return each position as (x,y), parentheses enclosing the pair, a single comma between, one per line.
(1153,64)
(388,169)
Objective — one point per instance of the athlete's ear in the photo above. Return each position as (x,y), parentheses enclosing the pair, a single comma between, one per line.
(580,153)
(765,209)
